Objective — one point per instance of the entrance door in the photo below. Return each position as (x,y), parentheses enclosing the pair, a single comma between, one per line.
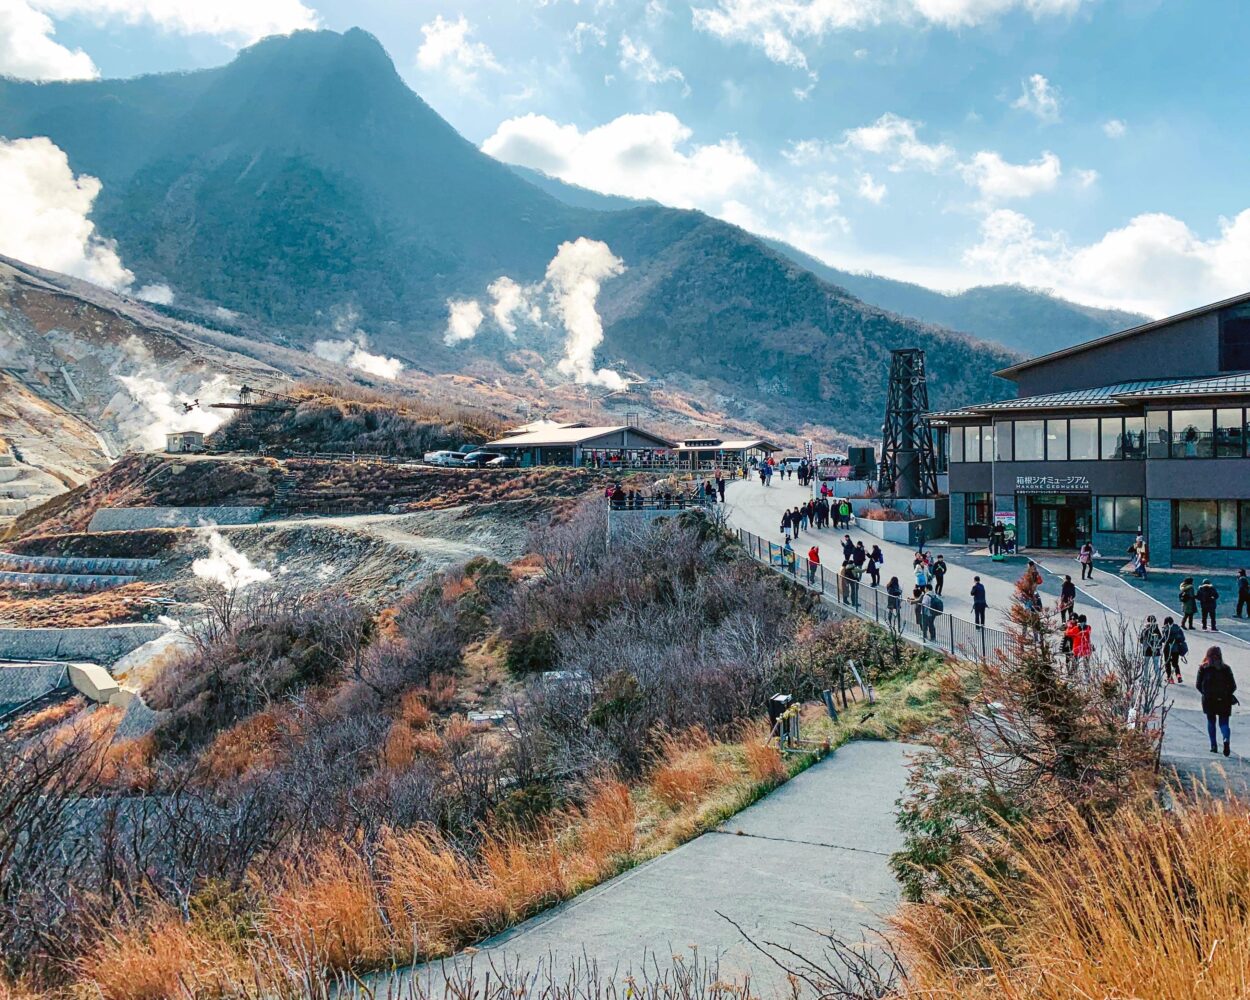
(1058,522)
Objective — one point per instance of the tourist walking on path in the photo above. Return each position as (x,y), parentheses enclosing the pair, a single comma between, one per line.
(939,573)
(785,522)
(1207,596)
(920,538)
(788,558)
(720,486)
(1189,602)
(1086,559)
(1243,592)
(813,564)
(1150,643)
(1083,644)
(874,566)
(1140,555)
(1067,598)
(1175,645)
(894,604)
(979,604)
(1217,684)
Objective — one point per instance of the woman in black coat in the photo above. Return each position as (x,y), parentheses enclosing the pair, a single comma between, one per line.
(1217,684)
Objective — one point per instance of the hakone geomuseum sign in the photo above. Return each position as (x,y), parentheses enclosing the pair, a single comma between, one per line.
(1052,484)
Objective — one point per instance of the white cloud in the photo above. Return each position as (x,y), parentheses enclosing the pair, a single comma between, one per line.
(448,50)
(1115,128)
(870,190)
(44,213)
(639,156)
(464,316)
(1085,178)
(638,60)
(1039,99)
(803,152)
(1155,264)
(894,136)
(27,51)
(998,180)
(777,27)
(162,295)
(574,276)
(353,352)
(585,34)
(242,21)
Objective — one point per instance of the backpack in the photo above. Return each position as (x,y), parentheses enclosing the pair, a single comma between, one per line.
(1181,645)
(935,603)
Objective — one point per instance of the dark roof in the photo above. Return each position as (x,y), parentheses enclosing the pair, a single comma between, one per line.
(1221,385)
(1103,395)
(1121,334)
(941,416)
(549,437)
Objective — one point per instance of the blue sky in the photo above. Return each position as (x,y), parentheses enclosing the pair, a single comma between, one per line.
(1095,147)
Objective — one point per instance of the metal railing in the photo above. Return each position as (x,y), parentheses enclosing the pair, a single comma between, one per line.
(659,503)
(932,629)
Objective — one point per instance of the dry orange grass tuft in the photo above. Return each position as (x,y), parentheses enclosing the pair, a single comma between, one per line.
(408,736)
(167,958)
(327,908)
(247,747)
(48,717)
(1150,904)
(764,763)
(687,768)
(128,764)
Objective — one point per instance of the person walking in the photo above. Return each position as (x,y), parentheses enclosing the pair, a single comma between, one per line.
(848,581)
(1150,644)
(1175,646)
(856,573)
(785,523)
(803,517)
(979,604)
(1067,599)
(874,566)
(720,486)
(788,558)
(938,569)
(1243,592)
(922,573)
(860,555)
(920,538)
(848,548)
(844,514)
(1083,645)
(1189,602)
(1086,558)
(813,564)
(1216,683)
(928,614)
(1207,596)
(917,594)
(894,603)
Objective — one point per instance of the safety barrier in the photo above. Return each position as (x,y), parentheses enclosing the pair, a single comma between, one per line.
(933,630)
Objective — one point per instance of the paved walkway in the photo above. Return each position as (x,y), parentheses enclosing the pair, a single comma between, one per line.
(1106,600)
(814,852)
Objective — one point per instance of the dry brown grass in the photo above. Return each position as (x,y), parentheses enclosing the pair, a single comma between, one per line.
(48,717)
(39,609)
(1142,904)
(409,735)
(764,763)
(167,958)
(248,747)
(688,767)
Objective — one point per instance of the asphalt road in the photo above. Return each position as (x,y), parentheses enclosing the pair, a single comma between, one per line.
(1107,600)
(812,853)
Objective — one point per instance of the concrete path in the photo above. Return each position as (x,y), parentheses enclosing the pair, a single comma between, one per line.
(1106,600)
(814,852)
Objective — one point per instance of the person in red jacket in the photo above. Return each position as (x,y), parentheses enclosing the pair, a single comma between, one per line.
(1083,644)
(813,563)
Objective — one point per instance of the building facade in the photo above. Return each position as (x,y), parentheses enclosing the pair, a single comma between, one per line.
(1143,431)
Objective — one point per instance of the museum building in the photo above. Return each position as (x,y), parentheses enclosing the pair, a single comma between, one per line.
(1145,430)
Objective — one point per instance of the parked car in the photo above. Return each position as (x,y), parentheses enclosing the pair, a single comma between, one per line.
(450,458)
(481,458)
(790,463)
(504,462)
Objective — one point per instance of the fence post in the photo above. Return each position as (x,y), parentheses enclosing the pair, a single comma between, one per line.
(950,619)
(983,653)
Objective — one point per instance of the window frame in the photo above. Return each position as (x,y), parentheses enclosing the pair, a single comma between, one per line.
(1240,530)
(1117,516)
(1015,429)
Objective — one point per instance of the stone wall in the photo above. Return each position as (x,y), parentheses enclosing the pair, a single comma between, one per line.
(103,644)
(140,518)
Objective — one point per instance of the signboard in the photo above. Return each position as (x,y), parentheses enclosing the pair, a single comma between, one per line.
(1052,484)
(1007,518)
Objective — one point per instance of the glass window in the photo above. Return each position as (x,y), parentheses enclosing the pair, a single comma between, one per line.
(1057,440)
(1235,338)
(1135,437)
(957,444)
(1197,523)
(1228,524)
(977,515)
(1083,435)
(1156,433)
(1229,434)
(1191,433)
(1121,514)
(1002,441)
(1030,440)
(972,444)
(1245,525)
(1112,429)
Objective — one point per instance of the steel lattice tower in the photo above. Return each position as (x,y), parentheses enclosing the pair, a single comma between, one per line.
(908,467)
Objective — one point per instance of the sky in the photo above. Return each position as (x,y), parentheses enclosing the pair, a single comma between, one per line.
(1095,148)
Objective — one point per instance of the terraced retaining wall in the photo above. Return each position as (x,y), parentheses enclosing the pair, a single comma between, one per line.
(103,644)
(17,563)
(140,518)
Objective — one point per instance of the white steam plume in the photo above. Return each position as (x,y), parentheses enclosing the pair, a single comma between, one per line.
(352,352)
(464,316)
(44,213)
(510,299)
(162,295)
(157,410)
(574,277)
(227,566)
